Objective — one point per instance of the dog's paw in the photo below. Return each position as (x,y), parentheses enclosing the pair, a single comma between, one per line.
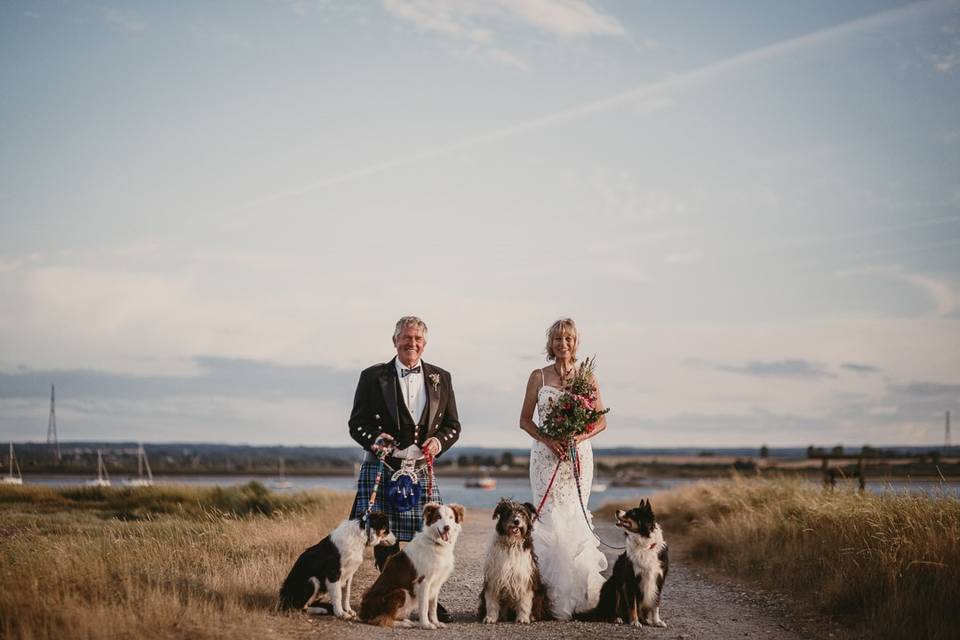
(635,623)
(405,624)
(440,625)
(426,624)
(523,619)
(490,620)
(618,621)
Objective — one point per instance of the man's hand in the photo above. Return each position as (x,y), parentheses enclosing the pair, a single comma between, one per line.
(384,442)
(431,446)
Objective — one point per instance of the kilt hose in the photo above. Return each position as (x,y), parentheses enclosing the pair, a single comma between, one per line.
(402,525)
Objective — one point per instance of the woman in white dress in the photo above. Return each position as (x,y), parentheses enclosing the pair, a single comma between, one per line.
(569,554)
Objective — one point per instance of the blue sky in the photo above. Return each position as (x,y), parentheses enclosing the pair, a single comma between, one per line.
(212,215)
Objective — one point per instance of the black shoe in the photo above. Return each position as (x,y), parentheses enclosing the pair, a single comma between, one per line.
(442,614)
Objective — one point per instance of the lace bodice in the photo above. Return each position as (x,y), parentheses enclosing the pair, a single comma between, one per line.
(546,396)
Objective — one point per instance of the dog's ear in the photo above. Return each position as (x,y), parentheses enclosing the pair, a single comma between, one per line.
(646,509)
(431,513)
(458,512)
(502,507)
(532,509)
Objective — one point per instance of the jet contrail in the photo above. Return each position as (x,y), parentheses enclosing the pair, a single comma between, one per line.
(672,84)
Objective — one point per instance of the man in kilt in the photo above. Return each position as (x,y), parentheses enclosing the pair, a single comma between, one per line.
(398,405)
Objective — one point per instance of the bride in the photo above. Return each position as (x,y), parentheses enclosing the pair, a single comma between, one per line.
(570,559)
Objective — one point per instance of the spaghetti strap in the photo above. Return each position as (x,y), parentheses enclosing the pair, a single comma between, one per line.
(543,379)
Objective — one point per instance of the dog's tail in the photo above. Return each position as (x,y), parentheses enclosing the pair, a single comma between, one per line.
(297,594)
(593,615)
(606,609)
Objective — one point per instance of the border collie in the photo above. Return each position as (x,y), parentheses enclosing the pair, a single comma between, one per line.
(329,565)
(413,577)
(638,575)
(512,589)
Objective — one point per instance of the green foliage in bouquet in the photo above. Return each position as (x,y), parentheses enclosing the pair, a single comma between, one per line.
(574,410)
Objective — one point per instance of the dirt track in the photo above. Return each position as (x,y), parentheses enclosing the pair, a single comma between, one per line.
(697,603)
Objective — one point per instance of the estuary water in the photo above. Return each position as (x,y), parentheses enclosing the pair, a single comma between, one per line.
(453,489)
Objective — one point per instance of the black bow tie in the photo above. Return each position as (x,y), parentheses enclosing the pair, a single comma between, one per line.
(405,372)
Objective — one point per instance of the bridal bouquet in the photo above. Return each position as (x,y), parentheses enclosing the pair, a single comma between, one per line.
(573,412)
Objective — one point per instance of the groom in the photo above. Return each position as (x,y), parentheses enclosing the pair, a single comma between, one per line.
(401,405)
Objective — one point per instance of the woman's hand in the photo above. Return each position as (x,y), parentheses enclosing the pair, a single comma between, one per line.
(559,447)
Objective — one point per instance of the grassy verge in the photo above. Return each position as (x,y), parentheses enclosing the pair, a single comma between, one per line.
(891,561)
(154,562)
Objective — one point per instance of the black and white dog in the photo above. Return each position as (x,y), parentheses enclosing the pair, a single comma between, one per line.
(329,565)
(512,589)
(638,575)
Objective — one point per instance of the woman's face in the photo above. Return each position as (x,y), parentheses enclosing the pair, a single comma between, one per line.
(564,344)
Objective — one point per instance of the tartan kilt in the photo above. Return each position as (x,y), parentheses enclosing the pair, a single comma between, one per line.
(402,525)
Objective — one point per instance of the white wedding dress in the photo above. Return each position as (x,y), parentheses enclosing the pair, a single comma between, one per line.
(569,554)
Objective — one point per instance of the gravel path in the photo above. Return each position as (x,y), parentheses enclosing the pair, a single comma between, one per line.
(697,603)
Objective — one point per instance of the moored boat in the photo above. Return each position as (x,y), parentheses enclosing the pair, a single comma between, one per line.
(10,478)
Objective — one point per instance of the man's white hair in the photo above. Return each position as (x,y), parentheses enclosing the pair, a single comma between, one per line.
(408,321)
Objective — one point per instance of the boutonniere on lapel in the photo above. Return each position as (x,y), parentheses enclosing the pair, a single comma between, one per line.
(435,379)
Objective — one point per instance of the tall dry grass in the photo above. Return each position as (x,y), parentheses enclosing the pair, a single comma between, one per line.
(177,563)
(890,561)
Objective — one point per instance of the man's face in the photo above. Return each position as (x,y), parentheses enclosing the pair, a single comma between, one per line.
(410,344)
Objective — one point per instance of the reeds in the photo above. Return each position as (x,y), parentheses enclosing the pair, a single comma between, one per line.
(890,561)
(177,562)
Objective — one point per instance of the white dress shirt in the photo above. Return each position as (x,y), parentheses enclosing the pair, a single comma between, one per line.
(411,388)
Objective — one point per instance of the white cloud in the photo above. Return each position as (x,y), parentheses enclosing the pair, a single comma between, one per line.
(475,21)
(883,410)
(683,257)
(503,57)
(123,20)
(946,62)
(563,17)
(654,104)
(671,84)
(942,294)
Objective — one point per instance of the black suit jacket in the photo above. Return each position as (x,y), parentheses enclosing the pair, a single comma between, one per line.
(375,406)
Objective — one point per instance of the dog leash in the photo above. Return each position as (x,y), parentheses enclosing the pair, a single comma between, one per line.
(429,457)
(549,486)
(382,454)
(575,460)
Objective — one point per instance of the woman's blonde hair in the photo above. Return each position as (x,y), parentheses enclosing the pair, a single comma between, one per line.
(558,327)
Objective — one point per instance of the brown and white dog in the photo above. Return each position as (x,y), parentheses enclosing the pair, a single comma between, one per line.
(413,577)
(512,589)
